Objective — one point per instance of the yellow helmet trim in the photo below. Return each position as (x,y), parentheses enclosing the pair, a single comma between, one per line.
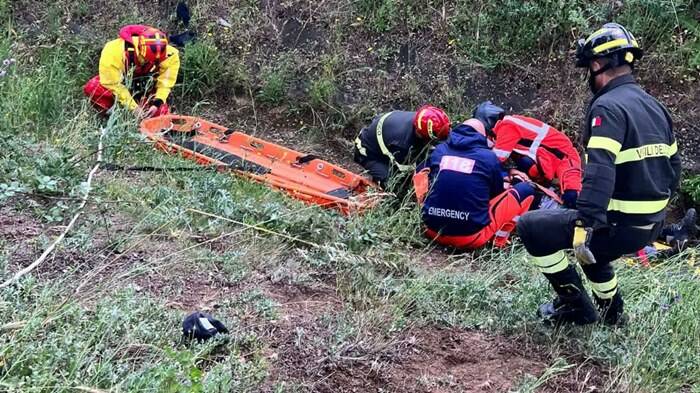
(420,118)
(610,44)
(430,130)
(597,33)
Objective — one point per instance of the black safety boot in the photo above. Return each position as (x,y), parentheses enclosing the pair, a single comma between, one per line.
(612,310)
(572,305)
(679,234)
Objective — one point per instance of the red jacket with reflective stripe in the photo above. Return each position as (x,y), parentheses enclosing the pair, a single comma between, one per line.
(552,151)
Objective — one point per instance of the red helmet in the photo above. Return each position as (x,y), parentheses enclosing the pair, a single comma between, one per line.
(431,123)
(152,46)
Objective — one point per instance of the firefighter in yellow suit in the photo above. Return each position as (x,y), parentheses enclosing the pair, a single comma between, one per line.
(142,55)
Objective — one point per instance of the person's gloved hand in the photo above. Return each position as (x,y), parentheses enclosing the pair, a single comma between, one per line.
(153,108)
(161,107)
(569,198)
(582,240)
(145,112)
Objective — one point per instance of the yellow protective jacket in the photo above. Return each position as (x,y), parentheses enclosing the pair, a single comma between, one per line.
(113,70)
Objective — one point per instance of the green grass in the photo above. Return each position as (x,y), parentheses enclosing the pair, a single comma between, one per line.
(203,71)
(545,26)
(276,79)
(124,342)
(117,333)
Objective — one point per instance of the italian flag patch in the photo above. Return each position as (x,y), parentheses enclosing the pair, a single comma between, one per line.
(596,122)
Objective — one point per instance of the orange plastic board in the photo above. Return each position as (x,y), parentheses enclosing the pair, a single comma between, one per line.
(302,176)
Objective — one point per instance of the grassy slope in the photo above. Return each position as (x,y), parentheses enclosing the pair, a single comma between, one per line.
(104,312)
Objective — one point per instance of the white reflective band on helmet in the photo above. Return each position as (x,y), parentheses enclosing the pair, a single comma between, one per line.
(385,150)
(541,132)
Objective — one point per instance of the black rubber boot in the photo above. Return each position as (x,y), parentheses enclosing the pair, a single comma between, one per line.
(612,310)
(572,305)
(677,235)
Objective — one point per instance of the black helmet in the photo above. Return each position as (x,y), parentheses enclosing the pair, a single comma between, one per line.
(202,326)
(488,114)
(612,41)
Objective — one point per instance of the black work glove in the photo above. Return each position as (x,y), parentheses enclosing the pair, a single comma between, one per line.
(202,326)
(569,198)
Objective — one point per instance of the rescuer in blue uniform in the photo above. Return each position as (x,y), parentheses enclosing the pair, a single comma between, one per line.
(467,204)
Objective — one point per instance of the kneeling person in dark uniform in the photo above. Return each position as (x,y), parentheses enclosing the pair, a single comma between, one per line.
(466,204)
(632,170)
(394,141)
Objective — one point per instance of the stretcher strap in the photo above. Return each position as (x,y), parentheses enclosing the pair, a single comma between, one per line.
(231,160)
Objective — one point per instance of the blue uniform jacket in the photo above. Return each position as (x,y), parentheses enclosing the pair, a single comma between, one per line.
(464,175)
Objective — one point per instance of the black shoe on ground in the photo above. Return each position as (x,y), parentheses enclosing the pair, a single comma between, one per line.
(684,230)
(578,310)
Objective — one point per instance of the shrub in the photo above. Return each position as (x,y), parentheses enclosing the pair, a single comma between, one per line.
(37,98)
(691,188)
(322,91)
(323,88)
(203,71)
(381,16)
(274,84)
(499,33)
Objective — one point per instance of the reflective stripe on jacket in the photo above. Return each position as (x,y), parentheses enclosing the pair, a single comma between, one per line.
(633,165)
(390,135)
(552,150)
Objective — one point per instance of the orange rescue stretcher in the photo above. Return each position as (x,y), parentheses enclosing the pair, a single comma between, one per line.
(302,176)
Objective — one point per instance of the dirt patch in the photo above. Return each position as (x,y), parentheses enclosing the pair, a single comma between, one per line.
(17,225)
(86,247)
(296,339)
(298,34)
(437,258)
(443,361)
(18,231)
(466,361)
(437,360)
(304,349)
(183,289)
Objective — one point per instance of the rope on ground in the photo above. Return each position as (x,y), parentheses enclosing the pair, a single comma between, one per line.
(59,239)
(257,228)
